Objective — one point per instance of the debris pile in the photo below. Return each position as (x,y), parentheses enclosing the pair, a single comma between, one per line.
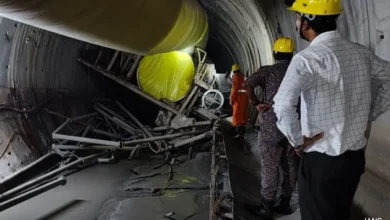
(113,127)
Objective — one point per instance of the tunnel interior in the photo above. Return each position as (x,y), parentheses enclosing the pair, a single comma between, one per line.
(40,69)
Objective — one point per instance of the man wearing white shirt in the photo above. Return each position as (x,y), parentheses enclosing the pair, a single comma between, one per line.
(333,77)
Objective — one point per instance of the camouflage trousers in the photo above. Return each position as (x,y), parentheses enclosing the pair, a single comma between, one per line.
(277,156)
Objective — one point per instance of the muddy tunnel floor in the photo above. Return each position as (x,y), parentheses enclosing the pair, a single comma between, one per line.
(245,175)
(147,189)
(135,189)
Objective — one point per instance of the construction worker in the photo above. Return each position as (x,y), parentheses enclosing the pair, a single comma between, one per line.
(239,101)
(333,76)
(275,150)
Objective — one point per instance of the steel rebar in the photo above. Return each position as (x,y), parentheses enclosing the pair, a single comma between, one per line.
(26,168)
(164,137)
(73,134)
(197,124)
(78,118)
(92,147)
(133,67)
(130,86)
(192,139)
(62,126)
(105,108)
(8,194)
(212,178)
(138,123)
(117,121)
(94,130)
(32,193)
(86,140)
(188,99)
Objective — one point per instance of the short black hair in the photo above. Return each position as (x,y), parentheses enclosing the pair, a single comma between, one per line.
(289,3)
(283,56)
(322,24)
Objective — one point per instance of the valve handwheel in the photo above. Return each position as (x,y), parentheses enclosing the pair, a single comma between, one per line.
(212,99)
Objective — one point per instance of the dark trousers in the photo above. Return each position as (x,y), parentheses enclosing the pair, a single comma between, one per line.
(274,155)
(240,129)
(328,184)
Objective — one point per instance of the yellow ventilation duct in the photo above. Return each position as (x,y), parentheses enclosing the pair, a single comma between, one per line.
(134,26)
(166,75)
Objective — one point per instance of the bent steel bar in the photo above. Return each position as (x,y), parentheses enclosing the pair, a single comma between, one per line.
(47,176)
(86,140)
(130,86)
(92,147)
(32,193)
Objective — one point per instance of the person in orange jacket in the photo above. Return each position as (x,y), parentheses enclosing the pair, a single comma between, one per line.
(239,101)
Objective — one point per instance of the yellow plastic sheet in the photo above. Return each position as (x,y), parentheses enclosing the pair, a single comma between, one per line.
(166,75)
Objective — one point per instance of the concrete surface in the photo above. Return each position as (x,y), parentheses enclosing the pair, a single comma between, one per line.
(139,190)
(108,192)
(86,190)
(245,175)
(371,199)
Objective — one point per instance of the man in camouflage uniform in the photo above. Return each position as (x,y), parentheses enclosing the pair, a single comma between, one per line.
(274,147)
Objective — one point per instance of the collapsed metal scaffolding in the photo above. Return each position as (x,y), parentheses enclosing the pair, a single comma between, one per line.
(180,129)
(111,127)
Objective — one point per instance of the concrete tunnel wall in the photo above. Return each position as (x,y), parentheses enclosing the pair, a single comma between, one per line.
(36,64)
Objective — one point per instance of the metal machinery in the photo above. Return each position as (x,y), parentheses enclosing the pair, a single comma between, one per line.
(212,99)
(111,127)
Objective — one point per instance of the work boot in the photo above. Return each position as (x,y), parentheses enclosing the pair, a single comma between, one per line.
(240,132)
(284,206)
(237,136)
(234,133)
(264,211)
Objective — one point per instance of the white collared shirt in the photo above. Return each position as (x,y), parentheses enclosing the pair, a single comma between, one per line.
(333,77)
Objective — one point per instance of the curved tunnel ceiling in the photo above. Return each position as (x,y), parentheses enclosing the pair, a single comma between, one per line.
(245,29)
(241,26)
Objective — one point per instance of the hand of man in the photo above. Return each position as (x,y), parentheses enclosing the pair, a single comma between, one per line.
(263,107)
(307,142)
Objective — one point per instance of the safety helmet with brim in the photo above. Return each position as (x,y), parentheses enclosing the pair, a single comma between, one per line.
(312,8)
(284,45)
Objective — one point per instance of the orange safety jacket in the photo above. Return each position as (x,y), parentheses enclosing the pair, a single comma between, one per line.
(239,99)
